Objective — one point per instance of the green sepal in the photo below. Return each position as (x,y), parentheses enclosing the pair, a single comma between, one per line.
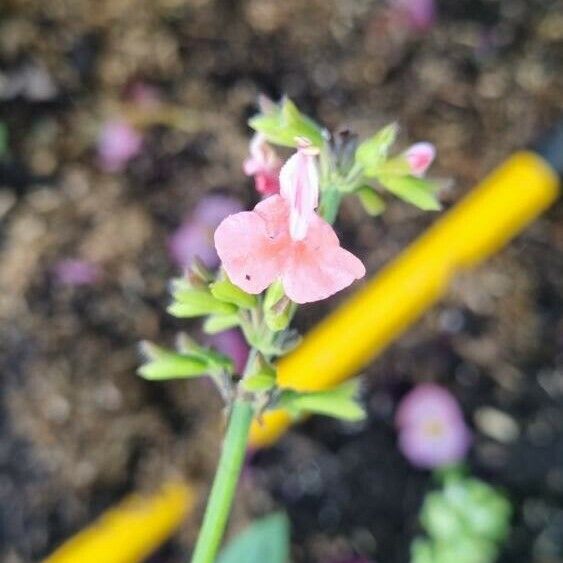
(417,191)
(261,375)
(191,302)
(284,124)
(340,402)
(372,153)
(278,309)
(371,201)
(219,323)
(228,292)
(166,364)
(214,359)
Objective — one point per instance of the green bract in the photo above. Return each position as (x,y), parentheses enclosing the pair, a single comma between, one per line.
(417,191)
(340,402)
(196,302)
(285,124)
(166,364)
(372,153)
(226,291)
(371,201)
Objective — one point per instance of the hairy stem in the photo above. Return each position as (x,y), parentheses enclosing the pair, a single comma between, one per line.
(225,483)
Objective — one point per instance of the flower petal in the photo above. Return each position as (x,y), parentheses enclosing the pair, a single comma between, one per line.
(299,185)
(253,245)
(318,266)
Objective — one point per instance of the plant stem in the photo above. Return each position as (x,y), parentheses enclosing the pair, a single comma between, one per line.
(224,485)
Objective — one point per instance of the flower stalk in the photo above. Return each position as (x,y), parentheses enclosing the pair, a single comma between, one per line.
(225,483)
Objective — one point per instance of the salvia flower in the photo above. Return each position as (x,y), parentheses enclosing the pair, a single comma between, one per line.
(118,143)
(432,432)
(419,157)
(264,165)
(283,238)
(194,237)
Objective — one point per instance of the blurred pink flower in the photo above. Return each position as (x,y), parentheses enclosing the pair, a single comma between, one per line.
(264,164)
(419,15)
(232,343)
(194,237)
(432,432)
(283,238)
(420,156)
(74,272)
(118,143)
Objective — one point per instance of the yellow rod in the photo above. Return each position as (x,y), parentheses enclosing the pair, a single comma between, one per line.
(495,211)
(132,530)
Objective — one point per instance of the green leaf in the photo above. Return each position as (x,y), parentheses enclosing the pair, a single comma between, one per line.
(339,402)
(214,359)
(371,201)
(226,291)
(371,154)
(264,541)
(413,190)
(219,323)
(285,123)
(166,364)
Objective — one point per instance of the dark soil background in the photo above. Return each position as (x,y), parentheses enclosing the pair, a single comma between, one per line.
(78,428)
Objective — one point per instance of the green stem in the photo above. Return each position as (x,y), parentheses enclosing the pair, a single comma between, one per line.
(224,485)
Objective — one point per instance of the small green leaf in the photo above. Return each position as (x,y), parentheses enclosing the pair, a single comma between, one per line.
(371,201)
(285,123)
(264,541)
(219,323)
(166,364)
(226,291)
(339,402)
(413,190)
(371,154)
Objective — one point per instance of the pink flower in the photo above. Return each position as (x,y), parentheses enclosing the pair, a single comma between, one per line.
(74,272)
(432,432)
(283,238)
(264,164)
(232,343)
(420,156)
(118,143)
(195,236)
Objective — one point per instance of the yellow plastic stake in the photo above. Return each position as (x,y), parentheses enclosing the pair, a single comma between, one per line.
(132,530)
(512,196)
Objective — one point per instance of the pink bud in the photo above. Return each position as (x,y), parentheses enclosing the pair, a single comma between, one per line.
(118,143)
(264,164)
(420,156)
